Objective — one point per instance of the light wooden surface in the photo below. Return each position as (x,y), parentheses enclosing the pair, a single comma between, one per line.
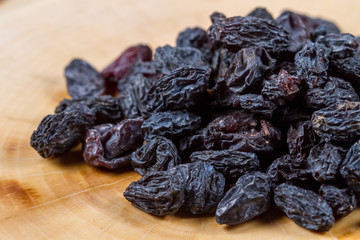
(62,198)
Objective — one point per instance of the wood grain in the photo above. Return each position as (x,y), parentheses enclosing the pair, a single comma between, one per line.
(62,198)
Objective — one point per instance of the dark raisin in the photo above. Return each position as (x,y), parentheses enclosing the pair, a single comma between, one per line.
(339,45)
(242,32)
(159,154)
(261,13)
(342,201)
(243,132)
(204,187)
(106,108)
(168,58)
(83,80)
(60,132)
(281,88)
(312,64)
(334,91)
(289,169)
(350,168)
(232,164)
(305,207)
(338,122)
(196,38)
(158,193)
(171,124)
(293,24)
(248,68)
(325,159)
(182,88)
(301,138)
(254,103)
(249,198)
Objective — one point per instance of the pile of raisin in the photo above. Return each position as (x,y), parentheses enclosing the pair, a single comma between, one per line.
(251,114)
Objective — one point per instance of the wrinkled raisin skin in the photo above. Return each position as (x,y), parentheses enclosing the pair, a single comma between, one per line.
(249,198)
(339,122)
(159,154)
(232,164)
(305,207)
(157,193)
(60,132)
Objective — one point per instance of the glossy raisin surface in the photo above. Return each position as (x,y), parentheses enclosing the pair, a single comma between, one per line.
(249,198)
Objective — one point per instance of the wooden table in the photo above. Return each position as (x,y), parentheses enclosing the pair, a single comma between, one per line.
(62,198)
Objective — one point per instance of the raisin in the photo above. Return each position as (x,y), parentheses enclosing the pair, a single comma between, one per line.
(196,38)
(159,154)
(168,58)
(294,25)
(342,201)
(106,108)
(249,198)
(325,159)
(120,67)
(59,133)
(193,142)
(204,187)
(243,32)
(110,145)
(301,138)
(281,88)
(217,17)
(158,193)
(243,132)
(247,69)
(312,64)
(334,91)
(348,69)
(289,169)
(182,88)
(339,45)
(83,80)
(305,207)
(221,61)
(254,103)
(93,152)
(232,164)
(350,168)
(338,122)
(171,124)
(261,13)
(124,136)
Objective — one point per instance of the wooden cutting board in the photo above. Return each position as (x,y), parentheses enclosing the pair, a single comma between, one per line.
(62,198)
